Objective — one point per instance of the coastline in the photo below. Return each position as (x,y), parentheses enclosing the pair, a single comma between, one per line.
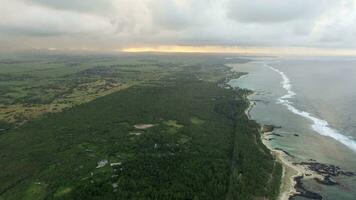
(307,171)
(291,172)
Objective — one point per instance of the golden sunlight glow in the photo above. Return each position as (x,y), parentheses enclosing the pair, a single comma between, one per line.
(296,51)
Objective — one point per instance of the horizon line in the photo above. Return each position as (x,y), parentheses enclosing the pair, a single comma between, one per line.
(274,51)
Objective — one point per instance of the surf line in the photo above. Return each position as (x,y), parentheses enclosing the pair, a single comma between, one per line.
(319,125)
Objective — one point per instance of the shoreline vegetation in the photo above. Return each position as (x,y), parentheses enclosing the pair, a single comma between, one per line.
(183,134)
(289,171)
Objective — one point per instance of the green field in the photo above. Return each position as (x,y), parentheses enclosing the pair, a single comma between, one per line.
(177,133)
(33,85)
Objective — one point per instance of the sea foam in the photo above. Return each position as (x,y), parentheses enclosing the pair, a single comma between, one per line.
(319,125)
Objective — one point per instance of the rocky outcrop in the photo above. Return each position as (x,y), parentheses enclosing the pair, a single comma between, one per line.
(326,169)
(302,192)
(326,181)
(269,128)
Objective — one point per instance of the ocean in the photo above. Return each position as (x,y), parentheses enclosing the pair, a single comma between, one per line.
(313,101)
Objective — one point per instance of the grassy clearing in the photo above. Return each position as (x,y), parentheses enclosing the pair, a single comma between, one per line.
(173,123)
(36,190)
(62,192)
(197,121)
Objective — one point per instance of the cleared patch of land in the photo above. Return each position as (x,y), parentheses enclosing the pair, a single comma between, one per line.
(143,126)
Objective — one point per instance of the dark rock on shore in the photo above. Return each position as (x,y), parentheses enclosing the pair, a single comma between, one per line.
(269,128)
(276,134)
(326,181)
(260,101)
(348,173)
(302,192)
(325,169)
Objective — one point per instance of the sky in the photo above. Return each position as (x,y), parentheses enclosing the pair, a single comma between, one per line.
(179,25)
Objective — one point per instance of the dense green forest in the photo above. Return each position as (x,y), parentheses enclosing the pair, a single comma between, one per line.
(183,135)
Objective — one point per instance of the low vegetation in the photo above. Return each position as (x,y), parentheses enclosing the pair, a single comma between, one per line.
(30,88)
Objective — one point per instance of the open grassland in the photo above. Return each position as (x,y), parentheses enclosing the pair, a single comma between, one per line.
(30,87)
(182,135)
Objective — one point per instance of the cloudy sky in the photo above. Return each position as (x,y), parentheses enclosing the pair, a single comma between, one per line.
(148,24)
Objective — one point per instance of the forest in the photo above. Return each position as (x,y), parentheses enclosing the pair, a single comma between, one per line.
(182,135)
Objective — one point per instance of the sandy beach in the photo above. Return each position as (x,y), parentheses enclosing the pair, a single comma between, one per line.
(290,171)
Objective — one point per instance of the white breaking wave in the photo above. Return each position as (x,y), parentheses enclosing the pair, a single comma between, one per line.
(319,125)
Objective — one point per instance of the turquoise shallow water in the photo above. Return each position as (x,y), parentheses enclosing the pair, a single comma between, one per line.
(314,102)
